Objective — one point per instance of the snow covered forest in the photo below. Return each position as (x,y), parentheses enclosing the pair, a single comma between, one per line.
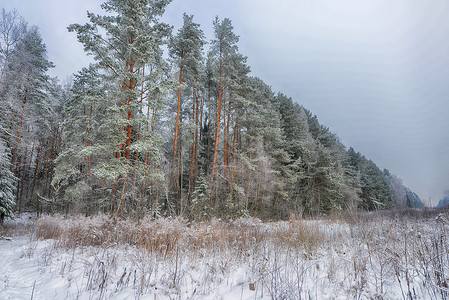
(167,124)
(165,170)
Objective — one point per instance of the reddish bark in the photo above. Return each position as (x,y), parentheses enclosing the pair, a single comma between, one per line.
(19,130)
(129,128)
(217,132)
(176,152)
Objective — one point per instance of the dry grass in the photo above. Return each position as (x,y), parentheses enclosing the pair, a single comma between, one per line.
(388,255)
(164,236)
(12,228)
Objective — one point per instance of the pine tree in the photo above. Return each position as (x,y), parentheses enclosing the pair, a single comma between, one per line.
(185,50)
(375,189)
(126,43)
(223,47)
(7,184)
(200,209)
(26,82)
(127,145)
(413,199)
(444,202)
(227,90)
(300,148)
(27,90)
(257,163)
(85,139)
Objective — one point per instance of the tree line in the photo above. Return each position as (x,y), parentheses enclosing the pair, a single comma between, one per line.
(160,125)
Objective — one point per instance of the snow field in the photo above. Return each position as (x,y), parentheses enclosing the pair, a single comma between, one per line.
(372,257)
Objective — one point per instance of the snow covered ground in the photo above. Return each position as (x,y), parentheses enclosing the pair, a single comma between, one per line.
(373,257)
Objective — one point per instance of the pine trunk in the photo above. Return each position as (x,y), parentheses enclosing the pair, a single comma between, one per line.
(197,130)
(36,170)
(22,177)
(129,127)
(217,132)
(175,144)
(47,160)
(19,183)
(19,130)
(193,146)
(226,146)
(232,156)
(29,173)
(178,112)
(89,158)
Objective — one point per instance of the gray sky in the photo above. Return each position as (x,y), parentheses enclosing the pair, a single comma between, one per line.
(375,71)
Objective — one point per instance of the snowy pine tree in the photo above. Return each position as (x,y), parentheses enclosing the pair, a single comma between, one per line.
(185,51)
(201,209)
(127,45)
(7,184)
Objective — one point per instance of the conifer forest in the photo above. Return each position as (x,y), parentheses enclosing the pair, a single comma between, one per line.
(166,169)
(167,123)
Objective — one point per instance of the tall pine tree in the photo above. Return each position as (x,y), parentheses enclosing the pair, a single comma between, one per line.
(127,45)
(7,183)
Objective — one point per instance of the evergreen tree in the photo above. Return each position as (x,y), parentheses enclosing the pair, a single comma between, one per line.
(444,202)
(185,50)
(260,164)
(300,147)
(413,199)
(28,85)
(199,139)
(7,184)
(27,91)
(398,190)
(376,192)
(402,196)
(85,138)
(200,209)
(228,96)
(127,44)
(224,48)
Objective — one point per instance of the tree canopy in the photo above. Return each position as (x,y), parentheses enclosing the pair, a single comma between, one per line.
(189,132)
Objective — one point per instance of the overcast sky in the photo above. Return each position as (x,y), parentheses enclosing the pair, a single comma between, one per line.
(375,71)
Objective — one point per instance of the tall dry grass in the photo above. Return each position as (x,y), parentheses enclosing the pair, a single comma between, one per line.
(378,255)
